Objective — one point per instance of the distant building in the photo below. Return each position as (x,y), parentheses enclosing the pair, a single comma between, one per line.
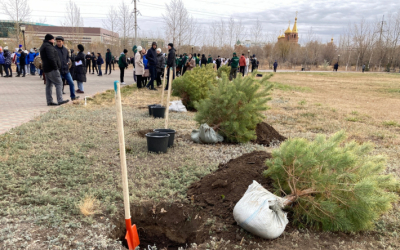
(82,35)
(290,35)
(8,27)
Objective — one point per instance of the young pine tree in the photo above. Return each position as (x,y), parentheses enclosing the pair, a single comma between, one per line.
(332,185)
(194,85)
(234,109)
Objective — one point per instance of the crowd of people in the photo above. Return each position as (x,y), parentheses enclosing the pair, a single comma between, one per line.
(61,66)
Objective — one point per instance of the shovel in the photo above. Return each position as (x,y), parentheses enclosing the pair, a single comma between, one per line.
(132,236)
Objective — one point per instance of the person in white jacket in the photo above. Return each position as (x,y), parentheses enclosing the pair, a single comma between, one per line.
(139,67)
(247,65)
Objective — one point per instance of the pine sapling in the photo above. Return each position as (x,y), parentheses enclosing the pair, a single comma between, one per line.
(234,109)
(331,184)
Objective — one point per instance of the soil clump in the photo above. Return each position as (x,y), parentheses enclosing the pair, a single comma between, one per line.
(218,192)
(142,133)
(267,135)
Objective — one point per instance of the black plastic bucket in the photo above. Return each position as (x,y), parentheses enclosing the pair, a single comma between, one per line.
(171,133)
(157,142)
(150,107)
(158,111)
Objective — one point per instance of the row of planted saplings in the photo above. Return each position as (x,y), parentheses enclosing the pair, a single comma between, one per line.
(161,139)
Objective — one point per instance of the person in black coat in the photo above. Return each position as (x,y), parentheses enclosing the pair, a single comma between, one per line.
(94,64)
(275,65)
(203,60)
(88,58)
(218,62)
(123,64)
(22,63)
(108,60)
(63,54)
(80,69)
(152,62)
(160,66)
(171,62)
(51,64)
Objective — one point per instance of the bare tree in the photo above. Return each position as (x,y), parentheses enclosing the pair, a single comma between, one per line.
(111,23)
(178,23)
(73,16)
(363,38)
(18,11)
(125,20)
(239,30)
(221,32)
(231,31)
(256,32)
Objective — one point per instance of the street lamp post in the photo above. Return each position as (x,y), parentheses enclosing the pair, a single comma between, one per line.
(192,50)
(23,34)
(338,58)
(248,53)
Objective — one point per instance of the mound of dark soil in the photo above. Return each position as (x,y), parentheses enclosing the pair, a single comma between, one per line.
(266,135)
(142,133)
(219,192)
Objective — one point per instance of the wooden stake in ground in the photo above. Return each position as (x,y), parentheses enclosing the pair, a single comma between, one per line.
(132,236)
(163,86)
(168,98)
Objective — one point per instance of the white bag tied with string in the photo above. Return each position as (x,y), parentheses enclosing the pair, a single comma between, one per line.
(206,134)
(177,106)
(260,212)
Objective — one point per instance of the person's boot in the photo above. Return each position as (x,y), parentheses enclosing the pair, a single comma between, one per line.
(63,102)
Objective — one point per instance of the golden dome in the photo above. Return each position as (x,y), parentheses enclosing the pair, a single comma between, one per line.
(288,31)
(295,26)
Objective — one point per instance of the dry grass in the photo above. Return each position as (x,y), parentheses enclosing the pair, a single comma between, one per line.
(89,205)
(49,164)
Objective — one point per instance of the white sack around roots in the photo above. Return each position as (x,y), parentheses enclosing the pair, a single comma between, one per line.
(206,135)
(177,106)
(260,212)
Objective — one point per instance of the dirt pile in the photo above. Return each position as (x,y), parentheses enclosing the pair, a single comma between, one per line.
(267,135)
(142,133)
(218,192)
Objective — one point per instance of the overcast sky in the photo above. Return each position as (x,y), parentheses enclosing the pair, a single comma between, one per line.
(327,18)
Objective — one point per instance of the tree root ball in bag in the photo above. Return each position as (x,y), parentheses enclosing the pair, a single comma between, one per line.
(260,212)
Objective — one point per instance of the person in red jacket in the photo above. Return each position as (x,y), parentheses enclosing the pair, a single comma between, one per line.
(242,64)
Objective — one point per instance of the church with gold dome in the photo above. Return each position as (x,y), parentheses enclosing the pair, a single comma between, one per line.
(290,35)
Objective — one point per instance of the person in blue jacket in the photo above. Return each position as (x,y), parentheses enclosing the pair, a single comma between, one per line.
(31,58)
(100,61)
(146,67)
(2,61)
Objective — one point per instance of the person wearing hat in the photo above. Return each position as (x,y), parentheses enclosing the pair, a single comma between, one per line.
(80,69)
(31,58)
(139,67)
(234,66)
(88,58)
(210,60)
(51,65)
(123,64)
(2,61)
(7,62)
(160,66)
(108,60)
(63,54)
(151,57)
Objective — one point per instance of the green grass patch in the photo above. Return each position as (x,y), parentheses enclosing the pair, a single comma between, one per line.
(285,87)
(391,124)
(353,119)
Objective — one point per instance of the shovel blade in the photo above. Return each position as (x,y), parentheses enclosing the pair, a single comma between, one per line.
(131,236)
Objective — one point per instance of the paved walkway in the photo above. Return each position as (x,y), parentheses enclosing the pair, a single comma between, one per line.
(24,98)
